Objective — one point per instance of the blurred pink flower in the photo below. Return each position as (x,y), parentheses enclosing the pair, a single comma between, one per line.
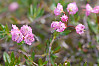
(17,36)
(13,6)
(61,27)
(25,29)
(54,25)
(80,29)
(96,9)
(89,9)
(72,8)
(58,26)
(64,18)
(58,10)
(60,7)
(14,28)
(29,38)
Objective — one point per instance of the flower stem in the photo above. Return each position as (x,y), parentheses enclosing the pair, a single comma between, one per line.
(50,51)
(71,26)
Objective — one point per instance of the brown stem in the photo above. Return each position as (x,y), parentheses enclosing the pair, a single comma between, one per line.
(71,26)
(64,12)
(68,18)
(50,51)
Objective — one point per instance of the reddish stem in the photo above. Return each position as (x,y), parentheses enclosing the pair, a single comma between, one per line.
(68,18)
(64,12)
(71,26)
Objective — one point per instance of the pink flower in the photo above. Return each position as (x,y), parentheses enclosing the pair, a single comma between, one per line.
(72,8)
(64,18)
(61,27)
(80,29)
(25,32)
(25,29)
(96,9)
(60,7)
(29,38)
(17,36)
(14,28)
(54,25)
(13,6)
(88,9)
(58,26)
(58,10)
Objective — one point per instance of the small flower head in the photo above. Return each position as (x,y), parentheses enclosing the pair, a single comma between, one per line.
(25,29)
(96,9)
(17,36)
(14,28)
(57,12)
(29,38)
(88,9)
(13,6)
(64,18)
(72,8)
(58,26)
(80,29)
(61,27)
(60,7)
(54,25)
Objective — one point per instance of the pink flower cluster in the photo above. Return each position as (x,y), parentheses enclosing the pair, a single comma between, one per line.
(58,26)
(25,33)
(64,18)
(89,9)
(58,10)
(71,9)
(80,28)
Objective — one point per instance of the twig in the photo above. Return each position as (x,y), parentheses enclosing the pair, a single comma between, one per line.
(71,26)
(50,51)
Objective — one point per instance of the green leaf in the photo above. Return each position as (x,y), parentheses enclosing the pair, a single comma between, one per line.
(92,26)
(40,61)
(55,64)
(52,61)
(33,55)
(45,63)
(66,32)
(6,28)
(53,56)
(57,49)
(21,43)
(12,57)
(6,57)
(2,27)
(68,63)
(60,64)
(85,64)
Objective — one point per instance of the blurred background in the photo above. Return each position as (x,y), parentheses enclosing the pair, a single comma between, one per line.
(75,48)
